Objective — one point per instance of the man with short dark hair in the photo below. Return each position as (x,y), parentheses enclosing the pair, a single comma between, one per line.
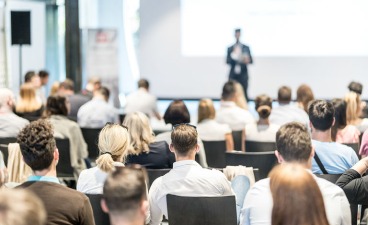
(125,196)
(286,111)
(142,101)
(293,146)
(334,157)
(187,178)
(39,151)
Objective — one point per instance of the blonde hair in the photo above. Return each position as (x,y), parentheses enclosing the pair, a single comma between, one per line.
(28,101)
(240,100)
(55,88)
(113,143)
(352,100)
(21,207)
(206,110)
(141,134)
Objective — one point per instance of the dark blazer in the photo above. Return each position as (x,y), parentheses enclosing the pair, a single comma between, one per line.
(232,63)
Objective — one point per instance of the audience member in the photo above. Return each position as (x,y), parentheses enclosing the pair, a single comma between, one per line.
(44,78)
(341,132)
(364,145)
(66,88)
(57,109)
(330,157)
(294,146)
(144,150)
(358,88)
(296,196)
(209,129)
(177,113)
(187,178)
(113,143)
(63,205)
(21,207)
(28,106)
(10,124)
(229,113)
(354,111)
(263,130)
(142,101)
(304,95)
(93,84)
(240,100)
(287,112)
(55,88)
(34,80)
(125,196)
(97,112)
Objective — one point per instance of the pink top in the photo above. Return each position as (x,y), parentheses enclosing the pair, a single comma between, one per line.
(350,134)
(364,146)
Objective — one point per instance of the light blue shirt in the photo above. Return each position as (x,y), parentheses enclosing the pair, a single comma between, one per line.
(335,157)
(44,178)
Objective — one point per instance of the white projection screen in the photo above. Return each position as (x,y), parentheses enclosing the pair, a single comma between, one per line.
(322,43)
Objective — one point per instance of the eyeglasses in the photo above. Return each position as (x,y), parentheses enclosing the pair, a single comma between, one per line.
(111,124)
(186,124)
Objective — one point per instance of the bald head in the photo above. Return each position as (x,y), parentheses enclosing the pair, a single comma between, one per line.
(6,98)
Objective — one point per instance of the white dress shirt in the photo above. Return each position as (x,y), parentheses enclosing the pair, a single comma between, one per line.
(261,133)
(236,117)
(141,101)
(187,178)
(286,113)
(211,130)
(258,204)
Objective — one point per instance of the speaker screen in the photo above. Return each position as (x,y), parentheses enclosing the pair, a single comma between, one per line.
(21,27)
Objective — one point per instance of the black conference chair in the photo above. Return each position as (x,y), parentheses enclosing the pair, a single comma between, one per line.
(101,218)
(90,135)
(153,174)
(238,139)
(215,153)
(264,161)
(257,146)
(355,147)
(201,210)
(4,142)
(64,167)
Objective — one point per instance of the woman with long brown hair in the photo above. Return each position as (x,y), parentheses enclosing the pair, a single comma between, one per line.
(297,198)
(28,106)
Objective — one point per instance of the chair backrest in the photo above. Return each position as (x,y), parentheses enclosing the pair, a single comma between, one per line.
(238,138)
(257,146)
(101,218)
(330,177)
(4,142)
(355,147)
(264,161)
(153,174)
(64,167)
(18,170)
(90,135)
(215,153)
(201,210)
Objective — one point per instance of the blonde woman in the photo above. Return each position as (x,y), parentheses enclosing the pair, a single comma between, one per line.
(240,100)
(354,110)
(144,150)
(113,143)
(28,106)
(209,129)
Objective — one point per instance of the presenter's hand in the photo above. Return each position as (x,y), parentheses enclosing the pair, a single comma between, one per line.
(246,59)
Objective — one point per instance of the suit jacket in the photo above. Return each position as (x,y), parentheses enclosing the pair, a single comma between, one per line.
(233,63)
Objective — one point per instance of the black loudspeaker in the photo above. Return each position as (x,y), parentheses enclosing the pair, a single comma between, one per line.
(20,27)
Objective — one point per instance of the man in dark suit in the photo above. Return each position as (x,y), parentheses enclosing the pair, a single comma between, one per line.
(238,57)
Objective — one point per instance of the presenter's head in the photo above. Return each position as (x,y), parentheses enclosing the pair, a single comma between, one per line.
(237,34)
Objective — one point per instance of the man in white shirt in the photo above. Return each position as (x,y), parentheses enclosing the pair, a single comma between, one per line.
(293,146)
(187,178)
(229,113)
(287,112)
(142,101)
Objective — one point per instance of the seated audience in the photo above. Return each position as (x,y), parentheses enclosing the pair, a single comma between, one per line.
(364,145)
(34,80)
(304,95)
(209,129)
(94,83)
(187,178)
(177,113)
(63,205)
(44,78)
(357,87)
(263,130)
(21,207)
(144,150)
(287,112)
(334,157)
(10,124)
(240,100)
(229,113)
(341,132)
(57,109)
(354,111)
(113,143)
(97,112)
(55,88)
(142,101)
(294,146)
(28,106)
(125,196)
(296,196)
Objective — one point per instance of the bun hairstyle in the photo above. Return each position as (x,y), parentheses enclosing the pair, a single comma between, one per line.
(263,106)
(113,143)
